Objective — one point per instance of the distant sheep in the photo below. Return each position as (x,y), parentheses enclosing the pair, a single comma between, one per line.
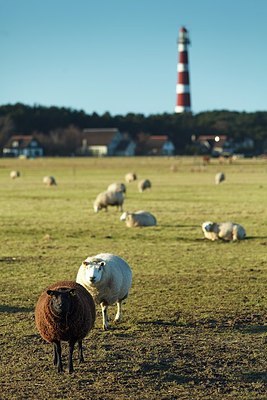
(144,184)
(219,177)
(228,231)
(14,174)
(130,177)
(117,187)
(49,181)
(138,219)
(65,311)
(107,198)
(108,278)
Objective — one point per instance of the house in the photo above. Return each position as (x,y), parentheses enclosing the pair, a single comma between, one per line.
(106,142)
(212,144)
(23,145)
(155,145)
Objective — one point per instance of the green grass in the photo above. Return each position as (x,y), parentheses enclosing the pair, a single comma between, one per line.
(194,325)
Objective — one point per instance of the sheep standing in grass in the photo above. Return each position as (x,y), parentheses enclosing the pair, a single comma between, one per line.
(108,198)
(219,177)
(130,177)
(228,231)
(65,311)
(138,219)
(108,278)
(49,181)
(144,184)
(14,174)
(117,187)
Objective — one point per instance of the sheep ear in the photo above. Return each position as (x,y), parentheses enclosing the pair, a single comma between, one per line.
(85,263)
(50,292)
(72,292)
(102,263)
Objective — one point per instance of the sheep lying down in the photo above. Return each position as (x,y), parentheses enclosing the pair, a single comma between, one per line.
(138,219)
(108,279)
(228,231)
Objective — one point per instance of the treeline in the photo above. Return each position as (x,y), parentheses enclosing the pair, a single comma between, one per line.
(59,129)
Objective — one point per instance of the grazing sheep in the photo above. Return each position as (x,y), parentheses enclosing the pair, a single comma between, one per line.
(14,174)
(65,311)
(138,219)
(107,198)
(219,177)
(117,187)
(228,231)
(130,177)
(144,184)
(49,181)
(108,278)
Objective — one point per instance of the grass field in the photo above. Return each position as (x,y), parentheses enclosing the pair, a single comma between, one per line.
(194,324)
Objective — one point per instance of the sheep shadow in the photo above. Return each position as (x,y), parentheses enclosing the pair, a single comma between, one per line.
(13,310)
(252,329)
(159,322)
(255,377)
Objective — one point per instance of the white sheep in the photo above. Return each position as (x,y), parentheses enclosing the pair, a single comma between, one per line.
(219,177)
(107,198)
(228,231)
(130,177)
(117,187)
(144,184)
(14,174)
(138,219)
(108,278)
(49,181)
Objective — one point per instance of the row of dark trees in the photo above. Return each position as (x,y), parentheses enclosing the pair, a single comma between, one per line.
(59,129)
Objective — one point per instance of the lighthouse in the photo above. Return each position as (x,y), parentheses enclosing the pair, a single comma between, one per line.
(183,102)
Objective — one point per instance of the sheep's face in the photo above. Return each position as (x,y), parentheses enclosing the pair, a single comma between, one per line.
(93,270)
(61,300)
(207,226)
(123,216)
(96,207)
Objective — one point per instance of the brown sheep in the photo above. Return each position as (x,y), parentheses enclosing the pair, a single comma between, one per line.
(65,311)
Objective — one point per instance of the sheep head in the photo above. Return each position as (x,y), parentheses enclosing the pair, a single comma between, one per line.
(61,300)
(124,216)
(93,270)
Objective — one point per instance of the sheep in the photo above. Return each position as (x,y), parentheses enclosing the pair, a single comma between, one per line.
(138,219)
(49,181)
(228,231)
(144,184)
(219,177)
(130,177)
(108,278)
(107,198)
(14,174)
(117,187)
(65,311)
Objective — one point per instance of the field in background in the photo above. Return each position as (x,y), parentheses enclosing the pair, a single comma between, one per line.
(194,325)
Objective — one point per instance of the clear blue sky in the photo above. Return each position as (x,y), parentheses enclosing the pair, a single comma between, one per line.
(121,56)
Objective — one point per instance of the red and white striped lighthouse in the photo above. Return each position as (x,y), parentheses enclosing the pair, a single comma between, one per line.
(183,102)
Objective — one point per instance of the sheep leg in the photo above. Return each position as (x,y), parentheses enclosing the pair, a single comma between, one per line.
(119,313)
(57,356)
(80,350)
(71,348)
(104,309)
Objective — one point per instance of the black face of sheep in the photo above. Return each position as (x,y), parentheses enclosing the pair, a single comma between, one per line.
(61,302)
(65,311)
